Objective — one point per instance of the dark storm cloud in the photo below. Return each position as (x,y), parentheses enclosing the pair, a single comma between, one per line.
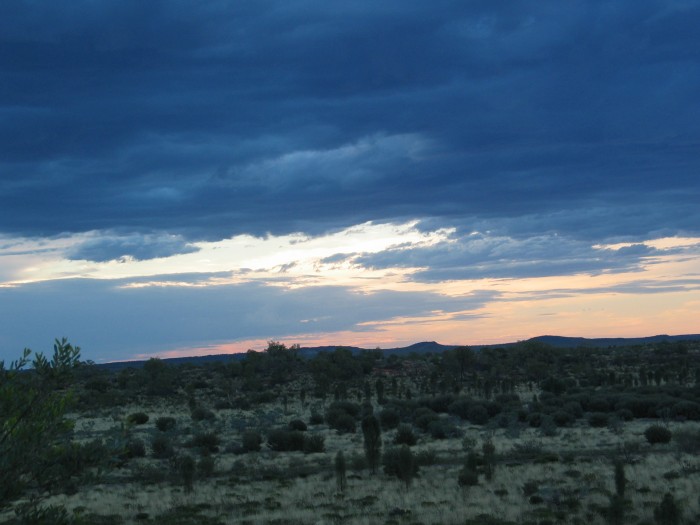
(135,246)
(107,319)
(208,119)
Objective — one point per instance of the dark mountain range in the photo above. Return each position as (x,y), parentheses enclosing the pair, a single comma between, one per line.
(431,347)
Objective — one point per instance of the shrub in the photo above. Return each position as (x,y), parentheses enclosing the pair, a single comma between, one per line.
(186,468)
(340,472)
(562,418)
(165,423)
(207,442)
(478,415)
(405,436)
(314,443)
(138,418)
(341,416)
(423,417)
(284,440)
(297,424)
(399,462)
(316,419)
(135,449)
(251,441)
(460,408)
(442,429)
(598,419)
(162,448)
(534,419)
(206,466)
(372,436)
(668,512)
(467,477)
(389,418)
(201,414)
(657,434)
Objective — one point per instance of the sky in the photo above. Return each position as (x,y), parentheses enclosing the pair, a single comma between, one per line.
(186,178)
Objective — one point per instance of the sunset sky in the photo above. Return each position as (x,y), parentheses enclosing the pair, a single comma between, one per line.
(184,178)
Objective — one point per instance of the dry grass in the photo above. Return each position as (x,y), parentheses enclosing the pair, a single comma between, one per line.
(268,487)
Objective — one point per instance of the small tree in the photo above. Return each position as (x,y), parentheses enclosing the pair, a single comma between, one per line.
(400,462)
(379,385)
(407,467)
(187,467)
(668,512)
(489,450)
(340,472)
(32,408)
(616,511)
(468,475)
(372,434)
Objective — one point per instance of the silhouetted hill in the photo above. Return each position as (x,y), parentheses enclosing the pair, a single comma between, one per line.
(605,342)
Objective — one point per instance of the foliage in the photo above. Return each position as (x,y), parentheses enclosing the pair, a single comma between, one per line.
(372,436)
(186,466)
(657,434)
(399,462)
(340,472)
(251,441)
(206,442)
(162,447)
(297,424)
(32,407)
(405,436)
(165,423)
(314,443)
(341,416)
(285,440)
(137,418)
(668,512)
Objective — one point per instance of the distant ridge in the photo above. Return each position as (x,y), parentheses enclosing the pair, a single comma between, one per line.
(604,342)
(432,347)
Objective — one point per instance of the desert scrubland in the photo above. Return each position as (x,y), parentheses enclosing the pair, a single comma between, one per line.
(525,435)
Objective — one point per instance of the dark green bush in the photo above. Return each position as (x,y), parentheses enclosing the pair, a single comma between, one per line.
(460,408)
(534,419)
(201,414)
(405,436)
(165,423)
(389,418)
(342,416)
(668,512)
(138,418)
(162,447)
(316,419)
(423,417)
(478,415)
(657,434)
(598,419)
(297,424)
(251,441)
(314,443)
(399,462)
(562,418)
(285,440)
(135,449)
(206,466)
(206,442)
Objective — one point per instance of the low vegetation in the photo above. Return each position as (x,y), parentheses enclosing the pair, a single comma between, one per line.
(527,434)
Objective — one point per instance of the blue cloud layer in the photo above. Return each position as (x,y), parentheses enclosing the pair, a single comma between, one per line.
(109,320)
(209,119)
